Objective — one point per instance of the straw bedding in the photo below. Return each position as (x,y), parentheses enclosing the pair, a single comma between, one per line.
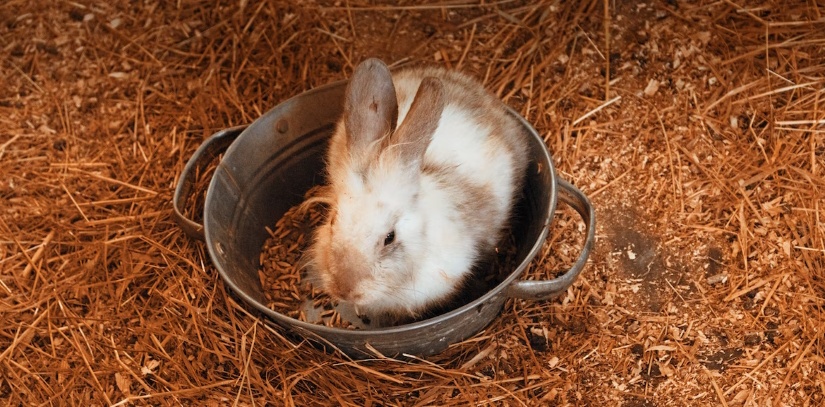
(696,128)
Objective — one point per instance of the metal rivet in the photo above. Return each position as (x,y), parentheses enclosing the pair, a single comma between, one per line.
(282,126)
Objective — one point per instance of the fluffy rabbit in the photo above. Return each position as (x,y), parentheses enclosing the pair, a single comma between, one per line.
(423,170)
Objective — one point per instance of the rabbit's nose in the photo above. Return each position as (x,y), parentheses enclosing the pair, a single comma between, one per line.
(349,270)
(345,288)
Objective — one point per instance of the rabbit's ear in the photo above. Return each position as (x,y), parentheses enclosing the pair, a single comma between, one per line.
(371,107)
(416,131)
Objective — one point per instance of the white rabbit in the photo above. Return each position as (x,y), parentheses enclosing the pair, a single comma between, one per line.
(423,170)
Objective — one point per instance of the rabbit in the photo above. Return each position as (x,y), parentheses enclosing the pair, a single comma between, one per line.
(422,171)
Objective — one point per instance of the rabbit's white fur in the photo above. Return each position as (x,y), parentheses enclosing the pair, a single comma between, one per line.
(446,209)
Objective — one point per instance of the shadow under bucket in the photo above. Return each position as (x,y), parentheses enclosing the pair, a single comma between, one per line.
(269,166)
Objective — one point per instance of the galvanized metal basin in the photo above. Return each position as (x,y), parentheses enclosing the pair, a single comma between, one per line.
(269,165)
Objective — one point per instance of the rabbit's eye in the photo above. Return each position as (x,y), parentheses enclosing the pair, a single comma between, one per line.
(389,238)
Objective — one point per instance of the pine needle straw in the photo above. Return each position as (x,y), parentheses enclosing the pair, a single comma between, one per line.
(696,128)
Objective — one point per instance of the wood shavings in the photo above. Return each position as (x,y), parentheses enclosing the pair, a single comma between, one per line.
(283,275)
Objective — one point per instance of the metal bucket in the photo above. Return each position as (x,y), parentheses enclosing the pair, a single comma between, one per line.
(267,168)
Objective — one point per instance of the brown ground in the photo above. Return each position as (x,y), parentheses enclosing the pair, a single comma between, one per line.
(707,285)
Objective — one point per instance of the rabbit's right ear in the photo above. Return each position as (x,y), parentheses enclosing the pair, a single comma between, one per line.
(416,131)
(371,107)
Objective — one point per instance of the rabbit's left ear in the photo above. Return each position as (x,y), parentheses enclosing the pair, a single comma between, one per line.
(416,131)
(370,107)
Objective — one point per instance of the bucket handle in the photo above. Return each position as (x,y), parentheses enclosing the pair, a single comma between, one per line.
(211,148)
(546,289)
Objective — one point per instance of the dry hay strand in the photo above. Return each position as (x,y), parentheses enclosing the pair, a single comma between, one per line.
(695,127)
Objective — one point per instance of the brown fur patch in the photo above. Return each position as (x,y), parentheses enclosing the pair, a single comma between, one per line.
(471,200)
